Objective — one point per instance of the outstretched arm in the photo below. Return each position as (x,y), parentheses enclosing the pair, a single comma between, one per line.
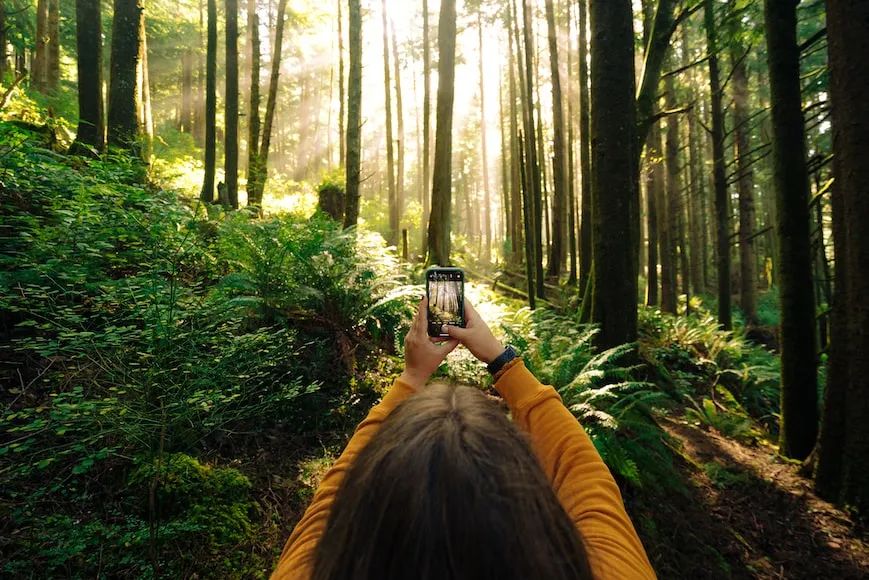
(581,480)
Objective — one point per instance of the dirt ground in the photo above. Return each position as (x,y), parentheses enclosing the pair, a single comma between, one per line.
(745,513)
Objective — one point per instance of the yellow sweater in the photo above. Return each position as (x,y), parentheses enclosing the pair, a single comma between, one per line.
(581,480)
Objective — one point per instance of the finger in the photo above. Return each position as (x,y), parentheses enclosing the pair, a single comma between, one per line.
(470,311)
(456,332)
(418,319)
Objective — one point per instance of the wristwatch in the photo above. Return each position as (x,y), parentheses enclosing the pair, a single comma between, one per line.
(501,360)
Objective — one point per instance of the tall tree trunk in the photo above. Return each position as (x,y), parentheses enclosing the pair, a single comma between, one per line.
(123,125)
(722,211)
(657,46)
(842,472)
(392,234)
(616,224)
(91,131)
(586,246)
(532,153)
(52,73)
(354,113)
(38,74)
(696,193)
(745,186)
(799,419)
(670,208)
(654,193)
(342,113)
(426,127)
(527,221)
(559,170)
(399,113)
(517,241)
(571,166)
(253,138)
(271,104)
(231,104)
(207,194)
(506,180)
(146,118)
(441,195)
(487,208)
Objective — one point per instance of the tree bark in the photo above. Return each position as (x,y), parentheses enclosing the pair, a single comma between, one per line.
(354,113)
(342,112)
(271,103)
(392,234)
(654,192)
(799,418)
(559,170)
(527,221)
(146,118)
(722,211)
(531,151)
(123,125)
(846,411)
(207,194)
(52,74)
(426,127)
(585,226)
(484,160)
(613,124)
(231,104)
(399,115)
(517,241)
(670,208)
(656,51)
(441,196)
(91,133)
(253,138)
(745,186)
(39,72)
(3,53)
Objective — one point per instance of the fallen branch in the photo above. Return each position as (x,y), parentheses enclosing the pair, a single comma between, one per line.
(8,94)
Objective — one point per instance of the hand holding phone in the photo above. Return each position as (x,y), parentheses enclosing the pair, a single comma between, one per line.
(445,293)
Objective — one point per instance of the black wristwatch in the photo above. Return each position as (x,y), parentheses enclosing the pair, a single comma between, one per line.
(501,360)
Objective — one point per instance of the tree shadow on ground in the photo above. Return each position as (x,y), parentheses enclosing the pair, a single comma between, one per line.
(744,513)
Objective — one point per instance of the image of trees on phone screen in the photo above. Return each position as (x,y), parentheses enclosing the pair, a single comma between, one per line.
(445,296)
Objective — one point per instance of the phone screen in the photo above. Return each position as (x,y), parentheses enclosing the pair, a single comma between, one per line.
(445,288)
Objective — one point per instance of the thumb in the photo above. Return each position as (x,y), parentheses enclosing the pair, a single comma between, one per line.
(457,332)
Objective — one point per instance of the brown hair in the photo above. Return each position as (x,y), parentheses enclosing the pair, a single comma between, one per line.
(448,489)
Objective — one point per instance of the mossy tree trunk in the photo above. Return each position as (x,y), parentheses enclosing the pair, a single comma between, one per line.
(799,408)
(207,194)
(123,118)
(91,131)
(354,113)
(231,104)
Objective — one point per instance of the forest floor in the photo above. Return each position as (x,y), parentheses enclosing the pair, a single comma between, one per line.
(755,510)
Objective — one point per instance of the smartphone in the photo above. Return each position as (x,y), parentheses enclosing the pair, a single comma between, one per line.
(445,290)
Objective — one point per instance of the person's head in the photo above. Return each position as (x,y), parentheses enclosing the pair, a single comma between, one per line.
(448,488)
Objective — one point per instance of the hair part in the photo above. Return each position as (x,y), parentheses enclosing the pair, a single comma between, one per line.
(448,488)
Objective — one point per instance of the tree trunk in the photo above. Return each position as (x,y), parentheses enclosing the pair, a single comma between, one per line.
(185,122)
(613,124)
(745,185)
(231,104)
(253,138)
(696,193)
(559,170)
(656,51)
(399,112)
(654,192)
(392,234)
(532,153)
(506,180)
(426,127)
(441,195)
(799,418)
(722,211)
(846,411)
(207,194)
(271,104)
(123,125)
(342,113)
(517,241)
(573,272)
(527,221)
(586,245)
(39,72)
(487,209)
(91,133)
(354,113)
(670,208)
(52,74)
(144,87)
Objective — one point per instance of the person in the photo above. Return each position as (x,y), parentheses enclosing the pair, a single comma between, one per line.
(437,483)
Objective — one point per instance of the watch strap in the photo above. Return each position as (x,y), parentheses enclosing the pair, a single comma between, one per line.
(502,359)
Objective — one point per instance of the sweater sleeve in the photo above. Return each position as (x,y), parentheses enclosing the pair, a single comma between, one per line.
(297,559)
(581,480)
